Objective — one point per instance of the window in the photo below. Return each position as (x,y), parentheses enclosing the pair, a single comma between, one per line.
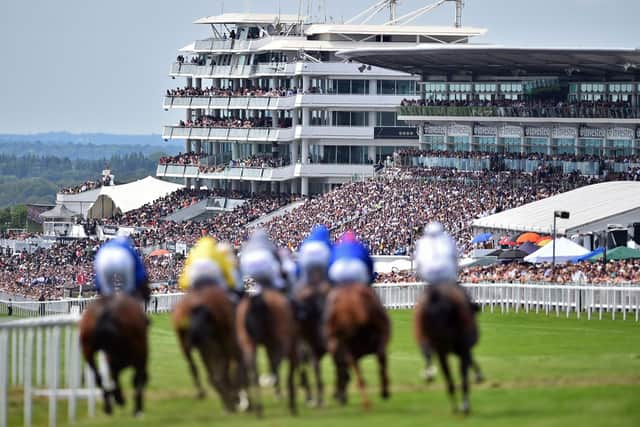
(350,118)
(349,87)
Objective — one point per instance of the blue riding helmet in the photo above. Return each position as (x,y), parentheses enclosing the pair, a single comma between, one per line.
(117,263)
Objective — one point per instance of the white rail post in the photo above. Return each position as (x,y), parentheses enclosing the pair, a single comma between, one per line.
(75,366)
(14,357)
(4,376)
(28,378)
(39,354)
(67,358)
(91,384)
(54,364)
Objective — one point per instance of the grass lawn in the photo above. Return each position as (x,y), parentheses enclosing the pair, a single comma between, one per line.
(541,371)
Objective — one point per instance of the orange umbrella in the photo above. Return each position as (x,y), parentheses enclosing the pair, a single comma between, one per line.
(160,252)
(529,237)
(544,241)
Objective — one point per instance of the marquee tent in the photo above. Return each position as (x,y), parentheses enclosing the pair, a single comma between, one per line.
(118,199)
(566,250)
(619,253)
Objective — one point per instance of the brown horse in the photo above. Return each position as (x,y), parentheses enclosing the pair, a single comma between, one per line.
(267,319)
(356,325)
(310,302)
(204,320)
(445,323)
(117,325)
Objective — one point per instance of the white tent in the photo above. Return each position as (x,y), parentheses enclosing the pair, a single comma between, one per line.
(123,198)
(566,250)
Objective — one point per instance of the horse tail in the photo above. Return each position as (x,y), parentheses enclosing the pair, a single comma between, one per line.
(106,331)
(200,326)
(440,310)
(257,317)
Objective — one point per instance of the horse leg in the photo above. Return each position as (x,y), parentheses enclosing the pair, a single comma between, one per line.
(117,390)
(275,358)
(444,364)
(304,381)
(319,382)
(465,362)
(218,369)
(430,369)
(140,379)
(186,350)
(89,356)
(291,380)
(255,401)
(362,386)
(384,377)
(342,376)
(476,370)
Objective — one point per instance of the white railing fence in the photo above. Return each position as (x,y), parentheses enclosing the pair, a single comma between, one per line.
(623,300)
(42,356)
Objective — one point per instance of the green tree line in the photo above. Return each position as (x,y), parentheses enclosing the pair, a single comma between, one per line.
(36,179)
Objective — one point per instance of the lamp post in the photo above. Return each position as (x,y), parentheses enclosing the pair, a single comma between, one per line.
(561,215)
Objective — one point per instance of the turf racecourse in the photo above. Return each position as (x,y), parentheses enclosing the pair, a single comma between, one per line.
(541,371)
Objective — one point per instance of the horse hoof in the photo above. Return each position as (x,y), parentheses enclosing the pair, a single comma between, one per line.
(385,394)
(479,379)
(267,380)
(201,395)
(429,374)
(119,398)
(243,402)
(138,414)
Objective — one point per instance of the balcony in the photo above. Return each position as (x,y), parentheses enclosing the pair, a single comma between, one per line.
(229,134)
(311,170)
(566,114)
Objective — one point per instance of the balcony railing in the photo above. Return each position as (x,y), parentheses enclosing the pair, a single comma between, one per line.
(568,111)
(229,134)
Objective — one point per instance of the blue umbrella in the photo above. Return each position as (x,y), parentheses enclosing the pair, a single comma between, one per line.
(590,255)
(481,238)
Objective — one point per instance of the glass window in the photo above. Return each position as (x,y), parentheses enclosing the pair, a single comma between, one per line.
(485,144)
(405,87)
(460,143)
(359,87)
(342,154)
(592,147)
(386,87)
(344,87)
(435,142)
(386,118)
(620,147)
(511,145)
(359,118)
(564,146)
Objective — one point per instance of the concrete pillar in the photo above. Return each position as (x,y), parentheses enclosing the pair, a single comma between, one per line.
(235,151)
(254,187)
(373,87)
(371,153)
(275,119)
(273,83)
(304,184)
(305,116)
(294,151)
(306,83)
(372,119)
(304,153)
(294,117)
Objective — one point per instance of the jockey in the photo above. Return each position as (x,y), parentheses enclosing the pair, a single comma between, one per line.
(118,263)
(436,256)
(259,260)
(351,262)
(314,256)
(209,263)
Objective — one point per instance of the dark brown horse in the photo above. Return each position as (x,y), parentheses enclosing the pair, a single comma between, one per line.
(118,326)
(204,320)
(267,319)
(445,323)
(356,325)
(310,303)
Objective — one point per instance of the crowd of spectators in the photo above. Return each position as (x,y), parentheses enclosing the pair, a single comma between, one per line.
(578,273)
(259,161)
(87,185)
(190,158)
(213,122)
(538,108)
(229,92)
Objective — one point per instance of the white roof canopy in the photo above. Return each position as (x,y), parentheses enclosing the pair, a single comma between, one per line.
(124,198)
(591,209)
(404,30)
(250,18)
(566,250)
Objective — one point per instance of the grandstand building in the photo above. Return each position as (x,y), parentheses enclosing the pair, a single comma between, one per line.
(497,107)
(268,105)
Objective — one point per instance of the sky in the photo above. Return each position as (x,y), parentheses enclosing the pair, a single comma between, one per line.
(102,66)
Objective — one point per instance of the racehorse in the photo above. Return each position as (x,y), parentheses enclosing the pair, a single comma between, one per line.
(445,316)
(204,320)
(116,323)
(266,319)
(356,323)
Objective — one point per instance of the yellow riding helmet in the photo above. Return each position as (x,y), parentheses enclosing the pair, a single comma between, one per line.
(207,259)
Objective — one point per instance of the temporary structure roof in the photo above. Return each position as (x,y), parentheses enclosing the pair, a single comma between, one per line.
(619,253)
(566,250)
(404,30)
(591,208)
(250,18)
(124,198)
(58,212)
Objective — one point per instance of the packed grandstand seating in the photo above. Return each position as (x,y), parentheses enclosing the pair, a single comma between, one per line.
(220,92)
(190,158)
(264,160)
(87,185)
(214,122)
(414,152)
(387,212)
(528,108)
